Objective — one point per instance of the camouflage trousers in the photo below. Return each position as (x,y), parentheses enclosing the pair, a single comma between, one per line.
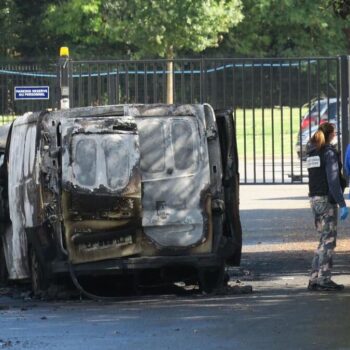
(325,215)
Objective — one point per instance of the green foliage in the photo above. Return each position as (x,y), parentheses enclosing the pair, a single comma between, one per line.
(149,28)
(287,28)
(157,26)
(82,26)
(32,40)
(78,20)
(341,7)
(7,21)
(163,28)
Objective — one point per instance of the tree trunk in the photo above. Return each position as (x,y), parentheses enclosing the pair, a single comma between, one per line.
(170,76)
(347,33)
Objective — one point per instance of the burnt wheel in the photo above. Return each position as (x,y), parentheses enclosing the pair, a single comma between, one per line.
(233,226)
(40,282)
(3,267)
(211,278)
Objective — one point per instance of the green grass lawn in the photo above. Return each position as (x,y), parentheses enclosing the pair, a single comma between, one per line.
(4,119)
(268,131)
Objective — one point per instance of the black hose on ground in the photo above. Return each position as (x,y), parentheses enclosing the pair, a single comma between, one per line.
(98,297)
(88,294)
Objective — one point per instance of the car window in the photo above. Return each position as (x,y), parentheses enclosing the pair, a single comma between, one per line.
(84,165)
(29,151)
(318,107)
(183,144)
(152,146)
(117,161)
(332,110)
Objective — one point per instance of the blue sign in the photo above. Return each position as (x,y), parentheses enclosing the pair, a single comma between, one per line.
(32,92)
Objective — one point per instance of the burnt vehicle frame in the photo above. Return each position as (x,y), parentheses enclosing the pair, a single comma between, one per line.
(120,189)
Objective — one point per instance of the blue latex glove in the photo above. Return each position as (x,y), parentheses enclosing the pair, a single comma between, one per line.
(344,212)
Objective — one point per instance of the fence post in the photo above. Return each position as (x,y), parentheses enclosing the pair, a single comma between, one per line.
(202,81)
(344,91)
(63,63)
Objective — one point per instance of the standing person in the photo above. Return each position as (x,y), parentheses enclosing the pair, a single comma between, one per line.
(326,187)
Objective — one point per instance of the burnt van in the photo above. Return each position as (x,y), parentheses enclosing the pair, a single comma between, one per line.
(123,189)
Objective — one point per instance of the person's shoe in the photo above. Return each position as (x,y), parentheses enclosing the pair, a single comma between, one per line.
(312,286)
(328,285)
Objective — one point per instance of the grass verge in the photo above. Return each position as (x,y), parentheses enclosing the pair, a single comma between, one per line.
(268,132)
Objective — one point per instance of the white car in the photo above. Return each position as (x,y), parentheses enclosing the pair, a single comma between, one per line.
(325,110)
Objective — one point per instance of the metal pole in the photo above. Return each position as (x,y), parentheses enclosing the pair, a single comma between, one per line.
(201,81)
(63,63)
(344,95)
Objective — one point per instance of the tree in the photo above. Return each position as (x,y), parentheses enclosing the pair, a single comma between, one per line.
(7,20)
(32,40)
(153,27)
(286,28)
(341,7)
(80,24)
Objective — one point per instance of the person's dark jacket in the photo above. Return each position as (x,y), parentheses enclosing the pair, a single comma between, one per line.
(327,178)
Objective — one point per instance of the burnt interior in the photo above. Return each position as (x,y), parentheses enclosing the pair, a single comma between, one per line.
(94,237)
(91,204)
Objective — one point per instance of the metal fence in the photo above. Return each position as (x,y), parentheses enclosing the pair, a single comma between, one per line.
(26,74)
(272,99)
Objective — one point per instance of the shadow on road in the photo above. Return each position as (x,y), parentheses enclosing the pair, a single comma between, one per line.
(266,265)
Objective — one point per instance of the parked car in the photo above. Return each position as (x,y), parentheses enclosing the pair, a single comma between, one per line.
(116,190)
(320,111)
(325,110)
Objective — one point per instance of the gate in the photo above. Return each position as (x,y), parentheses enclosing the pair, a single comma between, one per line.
(278,103)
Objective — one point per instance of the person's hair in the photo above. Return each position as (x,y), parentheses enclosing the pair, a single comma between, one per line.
(323,135)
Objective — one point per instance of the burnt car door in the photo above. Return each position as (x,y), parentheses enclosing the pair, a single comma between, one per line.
(3,182)
(174,165)
(22,194)
(175,179)
(5,136)
(229,154)
(4,210)
(101,188)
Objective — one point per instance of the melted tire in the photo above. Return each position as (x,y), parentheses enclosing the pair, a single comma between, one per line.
(211,278)
(40,282)
(3,267)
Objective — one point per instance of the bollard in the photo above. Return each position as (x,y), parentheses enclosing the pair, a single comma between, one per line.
(64,77)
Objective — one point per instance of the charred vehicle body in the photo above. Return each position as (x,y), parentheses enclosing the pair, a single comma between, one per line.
(120,189)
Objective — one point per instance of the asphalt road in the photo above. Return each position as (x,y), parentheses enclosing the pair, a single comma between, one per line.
(279,314)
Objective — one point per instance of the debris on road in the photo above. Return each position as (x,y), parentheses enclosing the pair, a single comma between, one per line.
(5,291)
(233,288)
(5,344)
